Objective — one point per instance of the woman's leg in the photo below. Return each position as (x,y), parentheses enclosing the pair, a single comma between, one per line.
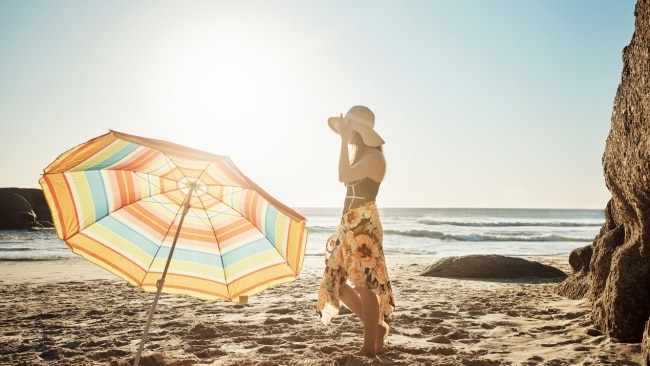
(370,311)
(351,299)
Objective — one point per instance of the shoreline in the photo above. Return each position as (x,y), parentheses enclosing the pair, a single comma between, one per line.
(77,268)
(74,312)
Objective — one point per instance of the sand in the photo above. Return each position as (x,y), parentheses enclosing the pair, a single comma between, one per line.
(75,313)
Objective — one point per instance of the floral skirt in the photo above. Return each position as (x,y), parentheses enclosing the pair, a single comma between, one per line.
(354,253)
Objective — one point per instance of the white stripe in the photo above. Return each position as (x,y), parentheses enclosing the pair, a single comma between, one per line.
(360,120)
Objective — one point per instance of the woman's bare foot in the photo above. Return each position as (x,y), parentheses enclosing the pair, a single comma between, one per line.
(379,342)
(366,353)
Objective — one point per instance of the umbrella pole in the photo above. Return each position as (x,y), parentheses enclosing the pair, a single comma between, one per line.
(161,281)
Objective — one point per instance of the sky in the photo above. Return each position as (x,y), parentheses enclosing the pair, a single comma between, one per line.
(500,103)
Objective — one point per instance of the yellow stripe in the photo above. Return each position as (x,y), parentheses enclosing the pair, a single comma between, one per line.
(208,272)
(119,244)
(281,229)
(83,199)
(101,155)
(103,256)
(263,279)
(249,264)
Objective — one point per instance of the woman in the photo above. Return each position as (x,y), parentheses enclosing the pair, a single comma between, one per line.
(355,268)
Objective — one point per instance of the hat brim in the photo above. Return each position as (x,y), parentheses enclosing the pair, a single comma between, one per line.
(369,135)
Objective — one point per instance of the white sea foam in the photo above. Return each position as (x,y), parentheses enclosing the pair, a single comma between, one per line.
(407,232)
(444,232)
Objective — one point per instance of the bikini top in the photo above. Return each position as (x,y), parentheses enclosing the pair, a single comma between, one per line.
(360,192)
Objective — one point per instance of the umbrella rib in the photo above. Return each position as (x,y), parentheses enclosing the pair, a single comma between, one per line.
(211,224)
(236,189)
(216,239)
(171,165)
(268,240)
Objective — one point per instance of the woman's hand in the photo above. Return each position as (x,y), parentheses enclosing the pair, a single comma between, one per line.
(344,129)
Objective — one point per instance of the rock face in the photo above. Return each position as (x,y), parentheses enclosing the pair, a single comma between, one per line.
(491,266)
(23,208)
(614,272)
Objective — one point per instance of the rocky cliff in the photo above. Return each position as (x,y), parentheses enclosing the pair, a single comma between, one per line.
(23,208)
(614,272)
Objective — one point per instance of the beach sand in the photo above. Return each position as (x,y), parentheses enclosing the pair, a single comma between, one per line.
(75,313)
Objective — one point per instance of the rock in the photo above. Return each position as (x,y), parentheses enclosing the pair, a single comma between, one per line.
(615,271)
(579,260)
(490,266)
(15,211)
(23,208)
(645,344)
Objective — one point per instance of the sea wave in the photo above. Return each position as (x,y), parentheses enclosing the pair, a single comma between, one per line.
(434,222)
(321,228)
(34,258)
(478,237)
(15,249)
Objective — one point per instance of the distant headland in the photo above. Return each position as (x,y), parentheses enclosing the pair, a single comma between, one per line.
(24,209)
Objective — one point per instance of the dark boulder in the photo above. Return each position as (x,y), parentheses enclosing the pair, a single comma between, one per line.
(491,266)
(23,208)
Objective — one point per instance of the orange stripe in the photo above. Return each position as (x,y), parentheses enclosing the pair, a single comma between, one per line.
(248,183)
(175,281)
(63,197)
(164,228)
(55,202)
(79,153)
(126,187)
(296,252)
(252,201)
(264,279)
(169,147)
(230,231)
(148,218)
(174,174)
(206,287)
(227,170)
(138,161)
(85,244)
(191,172)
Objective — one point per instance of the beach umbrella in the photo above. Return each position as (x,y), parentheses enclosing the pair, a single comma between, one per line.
(172,219)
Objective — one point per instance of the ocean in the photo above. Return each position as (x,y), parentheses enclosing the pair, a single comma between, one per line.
(430,232)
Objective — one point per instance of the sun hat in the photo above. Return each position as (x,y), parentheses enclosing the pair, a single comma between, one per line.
(362,120)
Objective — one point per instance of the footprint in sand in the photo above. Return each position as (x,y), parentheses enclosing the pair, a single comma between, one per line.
(283,320)
(281,311)
(441,339)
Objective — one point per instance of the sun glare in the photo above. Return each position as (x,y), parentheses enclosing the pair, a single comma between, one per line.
(217,82)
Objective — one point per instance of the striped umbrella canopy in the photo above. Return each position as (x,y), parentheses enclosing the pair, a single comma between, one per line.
(118,200)
(172,219)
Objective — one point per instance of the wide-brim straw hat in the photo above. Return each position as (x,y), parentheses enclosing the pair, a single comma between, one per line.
(362,120)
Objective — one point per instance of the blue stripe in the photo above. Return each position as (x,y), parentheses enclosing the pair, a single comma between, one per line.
(131,235)
(270,223)
(98,193)
(192,256)
(114,158)
(255,247)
